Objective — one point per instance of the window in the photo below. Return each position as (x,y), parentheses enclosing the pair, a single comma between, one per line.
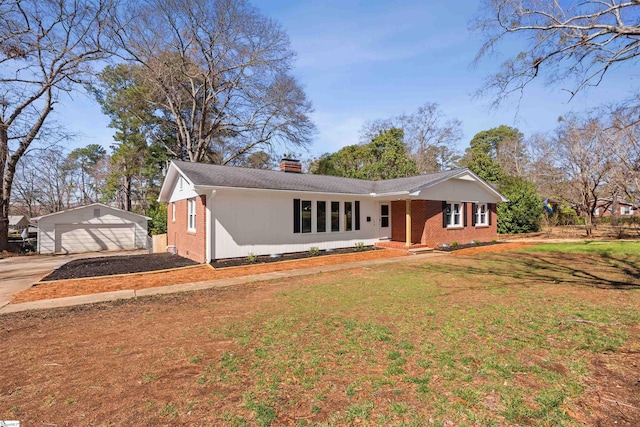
(296,215)
(173,212)
(306,216)
(335,216)
(452,215)
(596,212)
(384,216)
(301,216)
(348,216)
(481,214)
(321,220)
(625,210)
(191,205)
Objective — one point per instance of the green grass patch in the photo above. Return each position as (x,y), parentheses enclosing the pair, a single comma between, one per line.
(498,339)
(589,247)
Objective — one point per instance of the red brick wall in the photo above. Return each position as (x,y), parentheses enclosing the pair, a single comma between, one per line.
(189,244)
(426,225)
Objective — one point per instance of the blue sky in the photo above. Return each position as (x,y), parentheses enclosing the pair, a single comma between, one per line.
(364,60)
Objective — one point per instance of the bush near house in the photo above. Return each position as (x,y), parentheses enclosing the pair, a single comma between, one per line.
(523,212)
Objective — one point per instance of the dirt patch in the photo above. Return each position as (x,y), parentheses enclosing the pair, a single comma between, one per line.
(577,232)
(196,358)
(126,264)
(491,248)
(199,273)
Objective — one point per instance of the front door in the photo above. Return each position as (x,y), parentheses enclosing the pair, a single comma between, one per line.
(384,221)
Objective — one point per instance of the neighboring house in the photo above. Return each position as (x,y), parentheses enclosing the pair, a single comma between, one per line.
(17,223)
(90,228)
(604,208)
(217,212)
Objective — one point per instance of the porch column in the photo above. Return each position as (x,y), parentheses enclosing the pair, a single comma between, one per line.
(408,222)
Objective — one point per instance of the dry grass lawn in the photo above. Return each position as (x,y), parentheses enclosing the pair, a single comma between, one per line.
(491,339)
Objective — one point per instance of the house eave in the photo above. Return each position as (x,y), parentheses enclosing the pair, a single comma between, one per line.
(167,184)
(205,188)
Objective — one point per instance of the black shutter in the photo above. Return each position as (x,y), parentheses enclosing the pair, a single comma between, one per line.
(464,214)
(357,215)
(296,215)
(444,214)
(489,209)
(473,214)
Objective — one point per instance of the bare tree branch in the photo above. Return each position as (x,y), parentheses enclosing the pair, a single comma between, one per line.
(46,47)
(221,72)
(579,42)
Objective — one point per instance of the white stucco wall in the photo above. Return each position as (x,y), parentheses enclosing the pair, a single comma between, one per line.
(261,223)
(85,216)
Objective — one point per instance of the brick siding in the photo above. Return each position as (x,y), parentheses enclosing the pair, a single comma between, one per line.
(426,225)
(189,244)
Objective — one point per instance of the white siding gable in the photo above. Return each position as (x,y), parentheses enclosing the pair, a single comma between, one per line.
(466,189)
(182,189)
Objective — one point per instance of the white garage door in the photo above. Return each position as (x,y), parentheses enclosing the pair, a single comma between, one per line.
(73,238)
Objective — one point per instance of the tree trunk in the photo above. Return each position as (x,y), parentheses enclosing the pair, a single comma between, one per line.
(4,224)
(588,223)
(4,198)
(615,211)
(127,193)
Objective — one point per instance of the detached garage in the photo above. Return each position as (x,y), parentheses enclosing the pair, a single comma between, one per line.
(91,228)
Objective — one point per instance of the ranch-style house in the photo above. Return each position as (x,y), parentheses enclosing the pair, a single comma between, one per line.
(218,212)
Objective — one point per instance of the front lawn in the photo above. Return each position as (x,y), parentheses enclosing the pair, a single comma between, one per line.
(497,339)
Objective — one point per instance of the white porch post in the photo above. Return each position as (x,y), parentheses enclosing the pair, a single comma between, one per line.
(209,249)
(408,222)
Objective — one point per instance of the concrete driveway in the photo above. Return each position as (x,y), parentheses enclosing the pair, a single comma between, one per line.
(20,272)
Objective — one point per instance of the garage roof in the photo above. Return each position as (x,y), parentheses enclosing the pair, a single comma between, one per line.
(92,205)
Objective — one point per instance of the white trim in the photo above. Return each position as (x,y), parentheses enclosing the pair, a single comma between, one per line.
(203,188)
(192,209)
(477,215)
(460,213)
(209,227)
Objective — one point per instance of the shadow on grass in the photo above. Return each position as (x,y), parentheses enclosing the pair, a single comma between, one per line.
(603,271)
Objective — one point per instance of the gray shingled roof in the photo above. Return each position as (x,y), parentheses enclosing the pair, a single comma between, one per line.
(225,176)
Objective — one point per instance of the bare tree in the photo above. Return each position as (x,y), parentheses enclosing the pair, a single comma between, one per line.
(624,137)
(582,152)
(45,182)
(577,41)
(27,189)
(220,73)
(429,136)
(543,169)
(46,47)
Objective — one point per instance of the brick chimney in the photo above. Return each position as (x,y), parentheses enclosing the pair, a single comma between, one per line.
(290,165)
